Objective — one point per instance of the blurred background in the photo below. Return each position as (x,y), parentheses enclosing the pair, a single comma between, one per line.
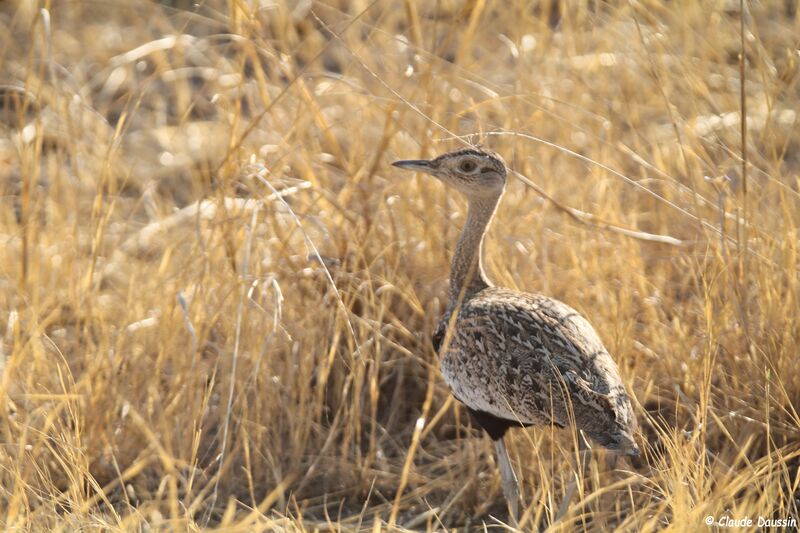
(217,296)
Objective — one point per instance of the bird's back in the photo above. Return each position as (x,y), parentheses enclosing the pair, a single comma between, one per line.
(530,359)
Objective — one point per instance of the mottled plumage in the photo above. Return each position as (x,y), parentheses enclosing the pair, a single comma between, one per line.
(531,360)
(514,358)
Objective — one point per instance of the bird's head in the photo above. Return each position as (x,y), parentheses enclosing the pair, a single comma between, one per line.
(476,173)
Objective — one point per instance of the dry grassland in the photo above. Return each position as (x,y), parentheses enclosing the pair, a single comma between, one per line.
(216,296)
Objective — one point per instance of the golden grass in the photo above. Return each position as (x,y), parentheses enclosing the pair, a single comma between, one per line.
(216,296)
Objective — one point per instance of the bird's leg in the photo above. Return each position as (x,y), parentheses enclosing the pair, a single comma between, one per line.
(584,456)
(509,479)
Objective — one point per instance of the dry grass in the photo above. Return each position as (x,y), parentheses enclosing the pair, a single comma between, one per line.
(216,297)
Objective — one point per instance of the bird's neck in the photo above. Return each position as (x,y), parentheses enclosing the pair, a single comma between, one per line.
(467,276)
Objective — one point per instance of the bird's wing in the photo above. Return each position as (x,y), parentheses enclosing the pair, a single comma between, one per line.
(527,358)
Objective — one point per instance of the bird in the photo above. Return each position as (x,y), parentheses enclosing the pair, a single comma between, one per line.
(518,359)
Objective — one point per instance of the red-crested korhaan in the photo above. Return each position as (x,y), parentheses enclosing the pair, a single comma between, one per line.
(515,358)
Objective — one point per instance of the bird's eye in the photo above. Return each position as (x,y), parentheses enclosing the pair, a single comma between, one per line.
(467,166)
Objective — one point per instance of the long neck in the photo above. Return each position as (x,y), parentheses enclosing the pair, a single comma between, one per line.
(466,271)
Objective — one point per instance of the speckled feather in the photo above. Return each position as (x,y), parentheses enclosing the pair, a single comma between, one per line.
(515,358)
(530,359)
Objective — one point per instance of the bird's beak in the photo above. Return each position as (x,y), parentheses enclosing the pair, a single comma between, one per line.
(421,165)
